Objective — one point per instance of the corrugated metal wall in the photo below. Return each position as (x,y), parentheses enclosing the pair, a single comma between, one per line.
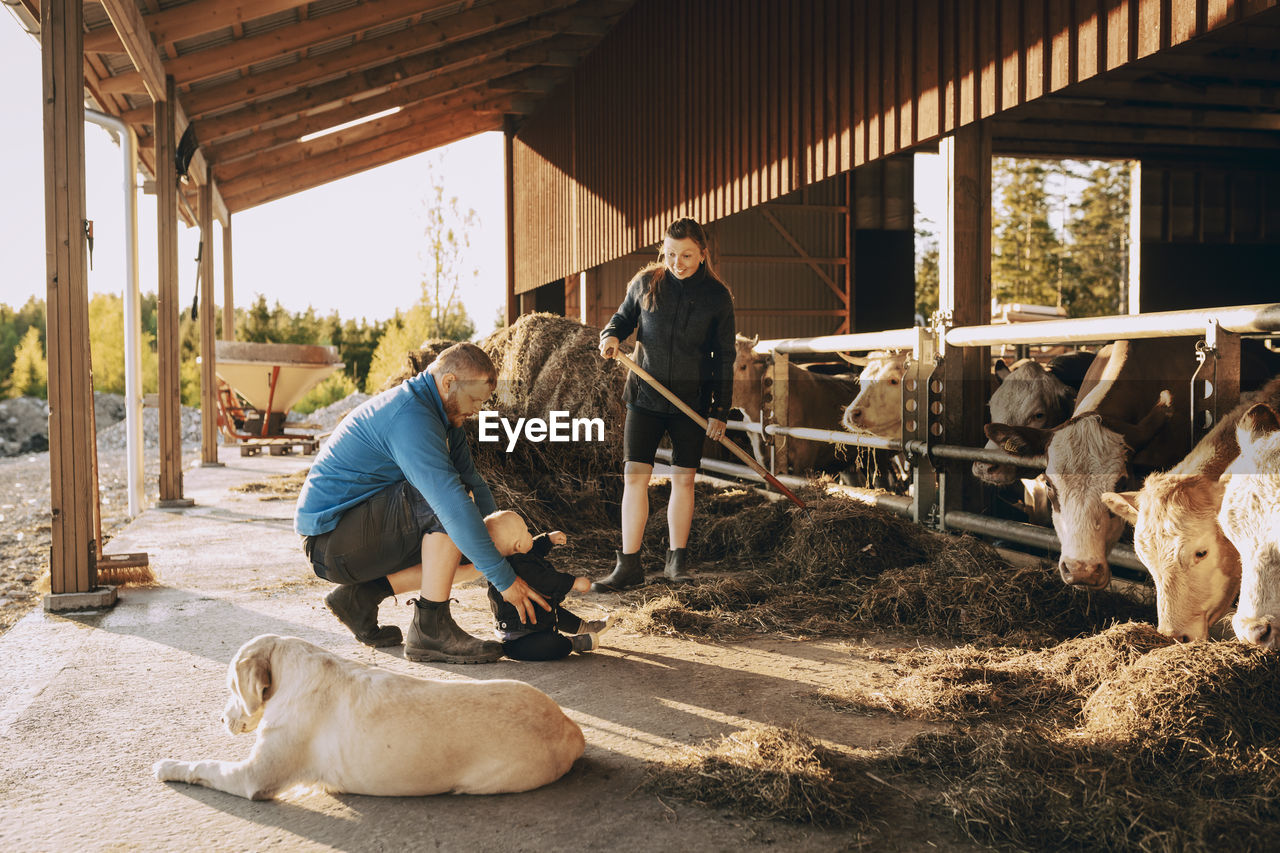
(708,108)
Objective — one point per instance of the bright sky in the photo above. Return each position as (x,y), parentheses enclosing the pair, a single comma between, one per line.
(352,245)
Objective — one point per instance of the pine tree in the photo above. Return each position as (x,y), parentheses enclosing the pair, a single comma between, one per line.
(1027,258)
(30,368)
(1099,231)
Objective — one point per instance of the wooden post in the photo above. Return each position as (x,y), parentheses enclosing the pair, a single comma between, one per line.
(964,299)
(208,333)
(850,241)
(509,170)
(73,488)
(228,302)
(167,310)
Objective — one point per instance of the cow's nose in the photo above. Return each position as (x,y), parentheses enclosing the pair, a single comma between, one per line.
(1258,632)
(1084,573)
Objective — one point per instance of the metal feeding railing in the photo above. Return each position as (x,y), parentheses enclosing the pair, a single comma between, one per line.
(1215,390)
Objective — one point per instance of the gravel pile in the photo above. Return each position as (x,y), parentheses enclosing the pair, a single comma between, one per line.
(329,416)
(24,422)
(115,436)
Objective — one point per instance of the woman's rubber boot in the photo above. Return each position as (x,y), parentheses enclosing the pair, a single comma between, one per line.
(626,574)
(434,636)
(676,570)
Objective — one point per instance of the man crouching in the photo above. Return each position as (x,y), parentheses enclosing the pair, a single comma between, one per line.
(385,510)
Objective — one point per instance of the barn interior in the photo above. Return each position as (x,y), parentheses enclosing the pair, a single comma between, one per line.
(790,130)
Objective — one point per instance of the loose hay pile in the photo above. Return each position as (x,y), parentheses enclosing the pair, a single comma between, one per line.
(770,773)
(1120,741)
(275,487)
(847,565)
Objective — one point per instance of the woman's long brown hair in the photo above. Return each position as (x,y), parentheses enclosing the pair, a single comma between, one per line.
(681,229)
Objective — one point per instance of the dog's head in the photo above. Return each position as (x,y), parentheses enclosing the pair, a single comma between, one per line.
(249,680)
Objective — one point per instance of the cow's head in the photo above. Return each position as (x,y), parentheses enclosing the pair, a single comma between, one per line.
(1250,518)
(1030,396)
(1176,533)
(878,407)
(748,374)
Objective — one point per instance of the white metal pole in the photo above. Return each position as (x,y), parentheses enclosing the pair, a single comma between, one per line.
(132,309)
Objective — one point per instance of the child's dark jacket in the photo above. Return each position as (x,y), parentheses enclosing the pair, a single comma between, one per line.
(552,585)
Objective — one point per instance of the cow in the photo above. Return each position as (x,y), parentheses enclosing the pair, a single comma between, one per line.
(1250,518)
(1133,410)
(878,407)
(1029,394)
(1176,533)
(814,399)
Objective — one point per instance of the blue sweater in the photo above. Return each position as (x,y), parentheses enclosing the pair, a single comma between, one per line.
(403,434)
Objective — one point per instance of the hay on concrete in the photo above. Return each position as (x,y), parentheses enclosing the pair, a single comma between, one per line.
(770,773)
(1176,750)
(972,682)
(846,566)
(275,487)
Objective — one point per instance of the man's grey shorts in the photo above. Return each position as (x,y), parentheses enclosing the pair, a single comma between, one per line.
(375,538)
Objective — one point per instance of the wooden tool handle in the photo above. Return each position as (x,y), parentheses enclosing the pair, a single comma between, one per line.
(702,422)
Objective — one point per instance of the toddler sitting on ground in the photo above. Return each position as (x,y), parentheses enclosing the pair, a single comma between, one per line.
(527,555)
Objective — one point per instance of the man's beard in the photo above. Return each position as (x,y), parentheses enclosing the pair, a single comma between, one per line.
(452,411)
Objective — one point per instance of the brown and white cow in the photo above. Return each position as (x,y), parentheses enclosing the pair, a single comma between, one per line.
(1176,532)
(1250,517)
(814,399)
(878,407)
(1034,395)
(1133,408)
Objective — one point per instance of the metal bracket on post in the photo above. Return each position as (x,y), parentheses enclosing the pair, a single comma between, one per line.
(779,384)
(922,373)
(1215,386)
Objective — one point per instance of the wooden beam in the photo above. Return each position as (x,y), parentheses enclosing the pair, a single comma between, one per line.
(1073,112)
(73,489)
(127,20)
(208,332)
(964,298)
(261,188)
(417,118)
(509,214)
(228,291)
(241,53)
(167,309)
(1228,67)
(1215,96)
(1066,132)
(192,19)
(449,92)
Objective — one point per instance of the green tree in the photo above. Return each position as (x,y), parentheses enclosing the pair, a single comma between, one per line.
(1027,257)
(338,386)
(1099,232)
(448,239)
(30,368)
(927,281)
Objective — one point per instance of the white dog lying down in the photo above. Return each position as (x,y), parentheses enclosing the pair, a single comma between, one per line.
(346,727)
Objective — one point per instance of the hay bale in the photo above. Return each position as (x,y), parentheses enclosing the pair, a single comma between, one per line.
(770,773)
(416,361)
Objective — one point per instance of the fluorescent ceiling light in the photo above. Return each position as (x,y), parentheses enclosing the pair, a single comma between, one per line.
(345,125)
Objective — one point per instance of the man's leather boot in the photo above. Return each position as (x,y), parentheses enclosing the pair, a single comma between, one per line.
(676,570)
(356,606)
(627,573)
(434,636)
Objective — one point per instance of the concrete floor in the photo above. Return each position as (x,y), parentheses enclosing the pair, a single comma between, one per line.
(89,701)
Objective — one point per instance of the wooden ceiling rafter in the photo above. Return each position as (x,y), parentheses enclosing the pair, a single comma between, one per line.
(461,90)
(335,95)
(343,163)
(296,152)
(382,61)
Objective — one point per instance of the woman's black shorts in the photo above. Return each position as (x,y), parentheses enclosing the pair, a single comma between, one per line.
(644,429)
(375,538)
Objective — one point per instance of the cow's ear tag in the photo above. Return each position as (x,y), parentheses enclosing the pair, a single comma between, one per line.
(1011,445)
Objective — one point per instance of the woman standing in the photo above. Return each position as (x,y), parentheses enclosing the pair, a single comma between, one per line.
(682,315)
